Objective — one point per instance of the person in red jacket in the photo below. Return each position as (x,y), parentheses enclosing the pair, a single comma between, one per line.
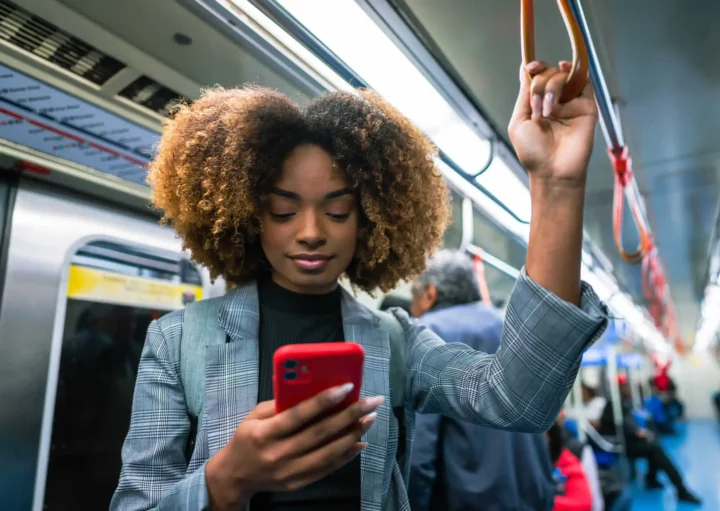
(573,490)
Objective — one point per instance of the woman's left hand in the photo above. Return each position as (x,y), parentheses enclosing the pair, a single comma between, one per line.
(553,140)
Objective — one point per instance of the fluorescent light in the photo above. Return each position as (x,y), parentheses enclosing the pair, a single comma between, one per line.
(483,202)
(507,187)
(252,16)
(340,24)
(420,101)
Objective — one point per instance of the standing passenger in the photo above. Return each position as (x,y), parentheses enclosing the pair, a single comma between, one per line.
(457,465)
(283,202)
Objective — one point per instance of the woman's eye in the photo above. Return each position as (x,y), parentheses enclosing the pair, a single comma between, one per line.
(281,216)
(336,216)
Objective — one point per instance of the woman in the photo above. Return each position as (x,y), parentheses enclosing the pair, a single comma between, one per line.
(584,453)
(283,202)
(573,491)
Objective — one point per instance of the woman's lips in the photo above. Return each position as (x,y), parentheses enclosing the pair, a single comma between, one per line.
(312,262)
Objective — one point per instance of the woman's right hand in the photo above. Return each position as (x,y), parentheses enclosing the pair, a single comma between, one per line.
(288,451)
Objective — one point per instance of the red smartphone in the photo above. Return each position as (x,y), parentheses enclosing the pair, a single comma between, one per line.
(300,371)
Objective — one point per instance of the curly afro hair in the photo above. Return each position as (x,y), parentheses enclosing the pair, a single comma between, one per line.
(219,157)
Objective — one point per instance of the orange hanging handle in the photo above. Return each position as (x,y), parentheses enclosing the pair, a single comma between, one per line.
(581,63)
(623,178)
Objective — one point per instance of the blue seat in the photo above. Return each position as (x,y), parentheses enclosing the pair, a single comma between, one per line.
(606,459)
(655,407)
(641,418)
(571,426)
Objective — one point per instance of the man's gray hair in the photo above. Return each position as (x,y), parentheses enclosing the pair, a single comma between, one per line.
(452,273)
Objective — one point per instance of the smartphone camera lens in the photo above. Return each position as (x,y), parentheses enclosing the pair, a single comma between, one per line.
(290,364)
(291,375)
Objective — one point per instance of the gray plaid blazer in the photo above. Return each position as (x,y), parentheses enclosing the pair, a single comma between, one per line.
(520,388)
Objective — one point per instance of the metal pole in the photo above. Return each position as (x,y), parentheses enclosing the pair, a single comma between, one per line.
(608,118)
(468,227)
(634,386)
(612,374)
(579,409)
(647,391)
(495,262)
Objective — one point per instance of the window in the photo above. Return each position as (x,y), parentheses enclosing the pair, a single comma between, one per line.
(114,292)
(488,236)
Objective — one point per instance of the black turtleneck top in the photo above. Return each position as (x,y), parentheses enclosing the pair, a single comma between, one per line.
(292,318)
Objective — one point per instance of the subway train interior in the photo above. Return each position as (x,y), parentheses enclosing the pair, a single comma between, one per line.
(85,264)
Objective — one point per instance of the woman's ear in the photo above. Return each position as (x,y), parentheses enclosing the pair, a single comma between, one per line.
(431,295)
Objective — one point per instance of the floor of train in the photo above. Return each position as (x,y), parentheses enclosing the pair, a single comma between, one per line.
(696,450)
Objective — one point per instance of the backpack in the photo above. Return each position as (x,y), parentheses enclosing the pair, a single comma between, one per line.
(201,328)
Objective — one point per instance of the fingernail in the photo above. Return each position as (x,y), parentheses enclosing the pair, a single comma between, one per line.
(533,65)
(548,104)
(536,106)
(339,393)
(368,421)
(371,403)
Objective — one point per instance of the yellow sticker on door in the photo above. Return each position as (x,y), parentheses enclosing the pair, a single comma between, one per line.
(102,286)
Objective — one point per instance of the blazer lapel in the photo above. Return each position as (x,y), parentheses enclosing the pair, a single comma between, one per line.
(231,382)
(231,369)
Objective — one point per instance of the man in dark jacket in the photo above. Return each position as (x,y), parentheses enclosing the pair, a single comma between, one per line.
(458,466)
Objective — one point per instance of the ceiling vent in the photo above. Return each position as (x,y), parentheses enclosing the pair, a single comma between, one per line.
(149,94)
(32,34)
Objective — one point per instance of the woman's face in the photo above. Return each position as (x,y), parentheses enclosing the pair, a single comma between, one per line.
(310,223)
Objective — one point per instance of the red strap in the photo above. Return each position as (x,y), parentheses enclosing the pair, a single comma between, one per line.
(622,165)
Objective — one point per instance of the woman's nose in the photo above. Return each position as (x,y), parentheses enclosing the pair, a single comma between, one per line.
(311,232)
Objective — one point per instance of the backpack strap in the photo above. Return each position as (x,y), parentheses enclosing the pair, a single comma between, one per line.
(200,329)
(392,326)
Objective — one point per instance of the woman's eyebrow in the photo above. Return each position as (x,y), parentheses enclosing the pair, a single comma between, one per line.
(338,193)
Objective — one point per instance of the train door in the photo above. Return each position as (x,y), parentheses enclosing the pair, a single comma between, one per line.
(11,453)
(114,291)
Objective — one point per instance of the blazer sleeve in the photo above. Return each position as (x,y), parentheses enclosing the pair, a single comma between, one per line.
(523,386)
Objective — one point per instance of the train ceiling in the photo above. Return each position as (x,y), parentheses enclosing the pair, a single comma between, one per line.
(659,61)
